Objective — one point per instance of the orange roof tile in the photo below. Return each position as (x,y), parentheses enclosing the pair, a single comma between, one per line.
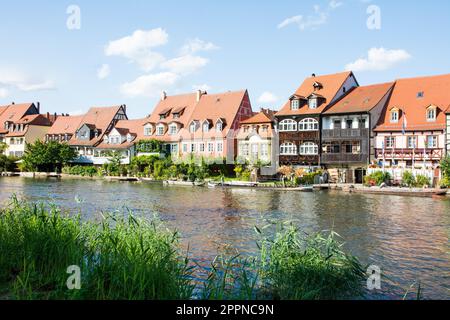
(65,125)
(412,97)
(360,99)
(266,116)
(14,112)
(330,85)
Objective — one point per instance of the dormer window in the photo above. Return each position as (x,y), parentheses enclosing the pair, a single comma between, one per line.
(193,127)
(173,129)
(160,130)
(219,126)
(420,94)
(312,103)
(176,115)
(295,104)
(431,113)
(129,137)
(395,115)
(206,126)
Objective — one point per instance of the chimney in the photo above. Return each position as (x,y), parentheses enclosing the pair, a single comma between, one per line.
(163,96)
(313,75)
(48,115)
(13,103)
(200,93)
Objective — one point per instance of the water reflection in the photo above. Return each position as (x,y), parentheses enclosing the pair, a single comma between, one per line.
(407,237)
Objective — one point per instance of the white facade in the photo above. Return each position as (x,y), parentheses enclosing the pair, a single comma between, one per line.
(448,134)
(352,121)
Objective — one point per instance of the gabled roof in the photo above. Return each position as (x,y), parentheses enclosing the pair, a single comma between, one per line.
(14,112)
(360,99)
(265,116)
(65,125)
(434,90)
(330,86)
(99,117)
(133,127)
(223,106)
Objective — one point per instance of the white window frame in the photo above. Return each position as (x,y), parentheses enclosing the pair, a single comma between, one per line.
(309,149)
(202,147)
(171,129)
(288,149)
(433,112)
(434,143)
(210,147)
(313,103)
(219,126)
(219,147)
(395,115)
(308,124)
(295,104)
(411,142)
(288,125)
(205,126)
(193,127)
(160,130)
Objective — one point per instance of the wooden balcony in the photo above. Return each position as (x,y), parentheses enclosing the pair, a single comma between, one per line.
(345,134)
(299,136)
(410,154)
(299,160)
(344,158)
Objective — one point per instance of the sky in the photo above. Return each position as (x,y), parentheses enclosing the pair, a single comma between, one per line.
(72,55)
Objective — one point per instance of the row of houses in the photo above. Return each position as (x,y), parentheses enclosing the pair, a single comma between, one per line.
(329,122)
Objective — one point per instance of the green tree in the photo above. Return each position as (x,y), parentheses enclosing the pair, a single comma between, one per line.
(47,157)
(3,147)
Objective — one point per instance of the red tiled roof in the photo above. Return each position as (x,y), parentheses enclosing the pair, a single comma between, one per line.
(266,116)
(436,92)
(330,87)
(221,106)
(14,112)
(101,118)
(360,99)
(65,125)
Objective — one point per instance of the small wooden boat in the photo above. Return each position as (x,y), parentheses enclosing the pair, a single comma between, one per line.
(183,183)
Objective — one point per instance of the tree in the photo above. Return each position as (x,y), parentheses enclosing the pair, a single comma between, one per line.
(445,166)
(3,147)
(47,157)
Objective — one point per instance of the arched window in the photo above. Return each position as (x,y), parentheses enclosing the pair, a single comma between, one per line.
(308,124)
(288,125)
(431,113)
(309,148)
(395,115)
(288,149)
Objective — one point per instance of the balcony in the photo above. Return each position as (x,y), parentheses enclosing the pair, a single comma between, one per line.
(345,134)
(410,154)
(344,158)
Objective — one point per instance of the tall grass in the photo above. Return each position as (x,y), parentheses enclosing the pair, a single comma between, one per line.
(129,259)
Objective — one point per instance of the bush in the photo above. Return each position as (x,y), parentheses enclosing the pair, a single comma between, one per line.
(422,181)
(377,178)
(408,179)
(84,171)
(8,163)
(445,182)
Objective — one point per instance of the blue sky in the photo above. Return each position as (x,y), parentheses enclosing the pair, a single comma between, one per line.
(126,52)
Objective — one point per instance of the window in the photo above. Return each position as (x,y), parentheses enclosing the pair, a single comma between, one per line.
(185,148)
(420,94)
(308,125)
(219,126)
(352,147)
(176,115)
(202,147)
(390,142)
(192,147)
(219,147)
(206,126)
(288,125)
(331,148)
(312,103)
(432,142)
(210,147)
(174,148)
(264,150)
(148,131)
(412,142)
(349,123)
(160,130)
(193,127)
(173,129)
(431,114)
(265,128)
(288,149)
(309,148)
(244,150)
(337,124)
(394,116)
(295,104)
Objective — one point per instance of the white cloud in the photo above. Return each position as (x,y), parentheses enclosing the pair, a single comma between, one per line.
(379,59)
(138,47)
(185,65)
(104,71)
(313,21)
(203,87)
(150,85)
(4,93)
(196,45)
(267,98)
(14,78)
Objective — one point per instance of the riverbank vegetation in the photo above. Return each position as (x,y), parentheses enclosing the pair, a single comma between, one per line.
(445,167)
(123,257)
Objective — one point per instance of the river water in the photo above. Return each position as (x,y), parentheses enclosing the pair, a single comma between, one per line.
(408,238)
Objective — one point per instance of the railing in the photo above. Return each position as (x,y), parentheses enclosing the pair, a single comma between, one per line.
(410,154)
(343,157)
(345,134)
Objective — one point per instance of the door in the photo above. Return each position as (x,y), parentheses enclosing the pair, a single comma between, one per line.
(359,176)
